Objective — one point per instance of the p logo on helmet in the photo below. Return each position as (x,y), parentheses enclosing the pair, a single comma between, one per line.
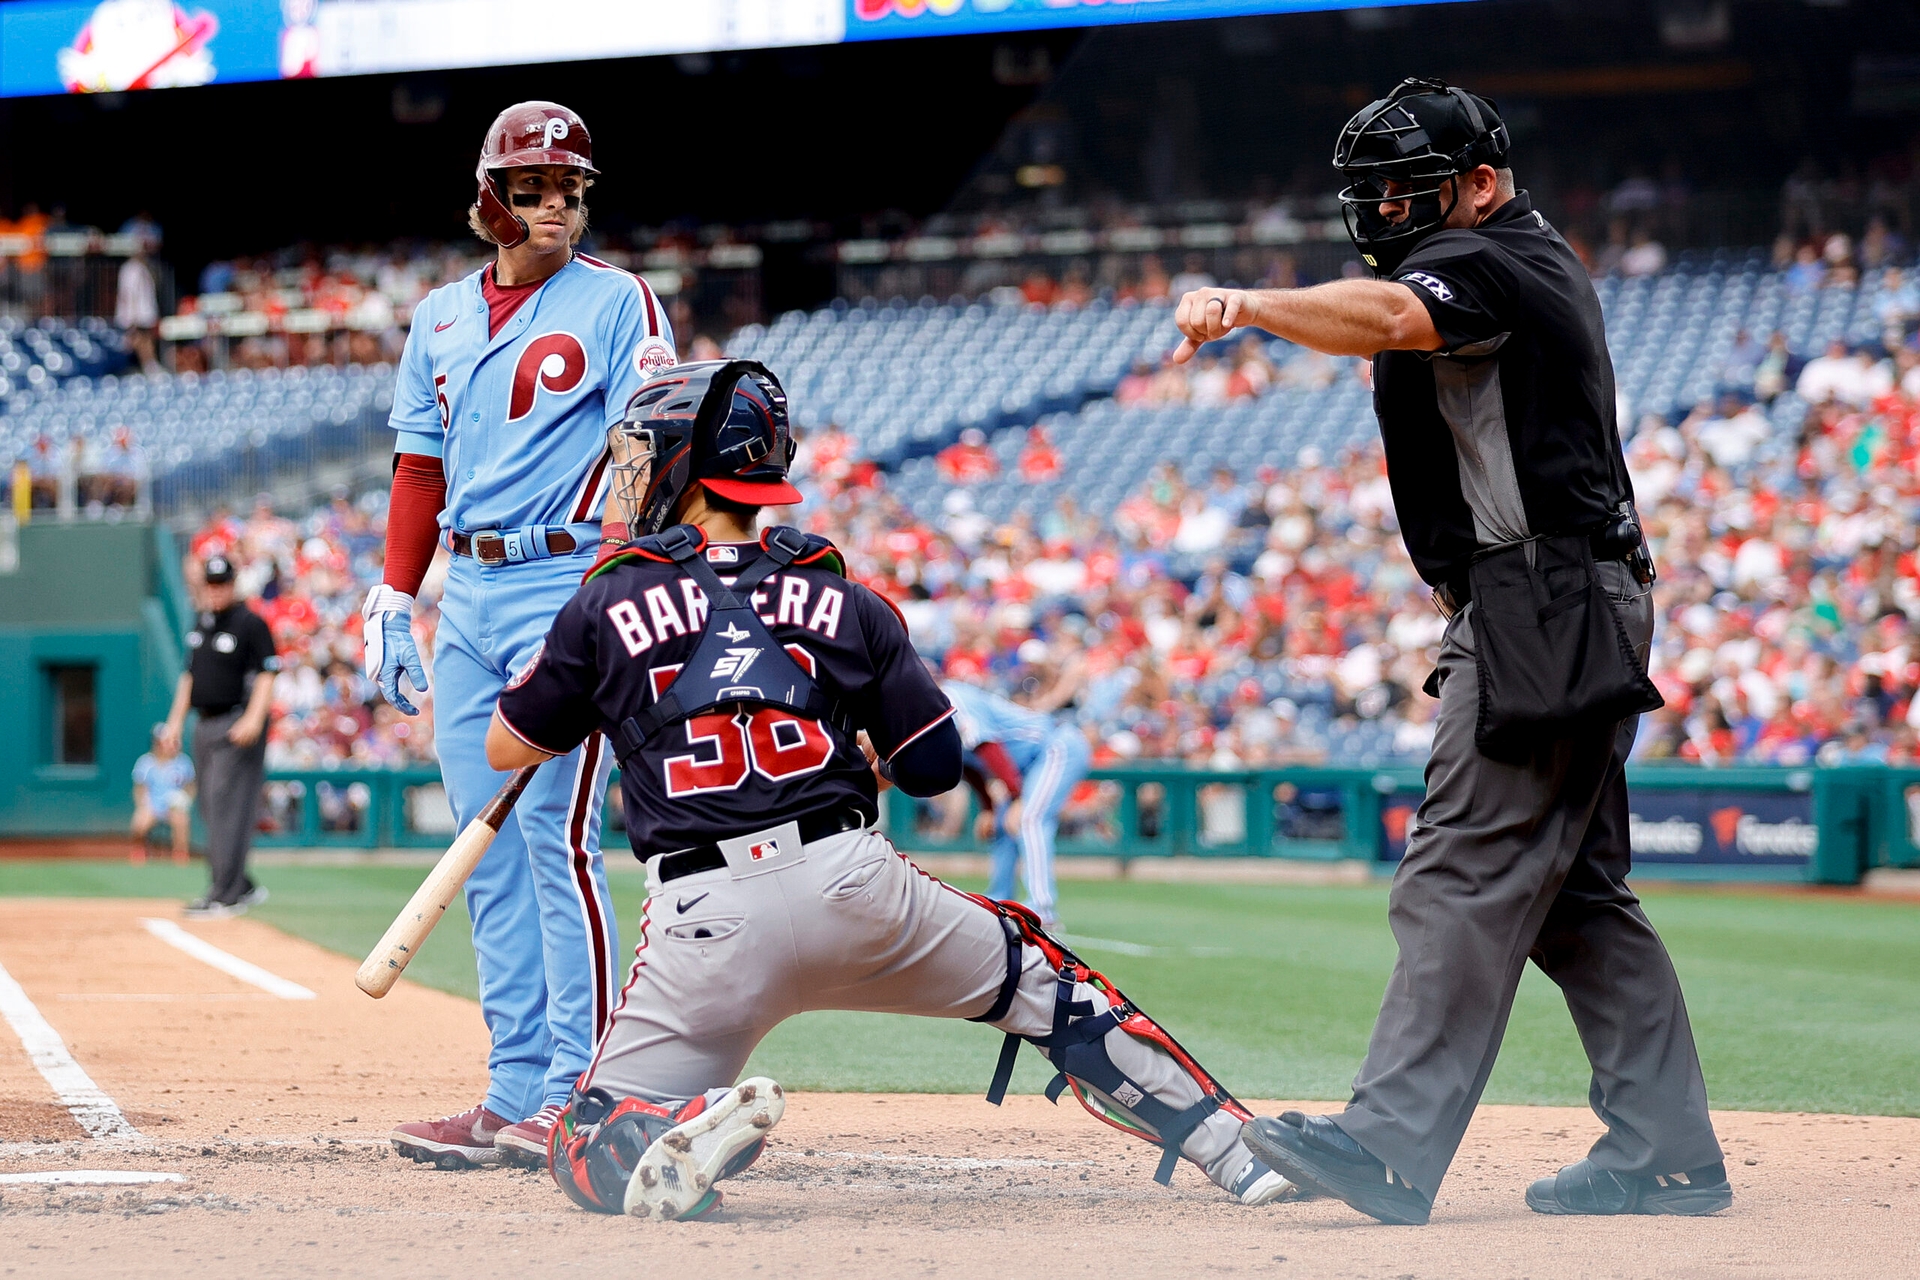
(526,134)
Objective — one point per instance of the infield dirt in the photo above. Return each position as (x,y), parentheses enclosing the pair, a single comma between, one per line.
(274,1113)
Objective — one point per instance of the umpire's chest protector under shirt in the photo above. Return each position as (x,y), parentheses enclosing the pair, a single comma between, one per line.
(1508,431)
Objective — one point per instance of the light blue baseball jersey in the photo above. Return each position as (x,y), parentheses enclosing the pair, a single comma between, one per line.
(520,420)
(984,716)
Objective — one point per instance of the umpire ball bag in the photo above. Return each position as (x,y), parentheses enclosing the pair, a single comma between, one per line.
(1552,656)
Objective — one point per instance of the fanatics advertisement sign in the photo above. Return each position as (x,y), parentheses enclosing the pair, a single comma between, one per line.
(1730,827)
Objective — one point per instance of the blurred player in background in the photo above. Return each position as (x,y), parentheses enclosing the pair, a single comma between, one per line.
(162,792)
(507,386)
(1037,761)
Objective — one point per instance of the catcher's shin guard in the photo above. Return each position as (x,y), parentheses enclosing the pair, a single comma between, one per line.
(597,1143)
(1076,1047)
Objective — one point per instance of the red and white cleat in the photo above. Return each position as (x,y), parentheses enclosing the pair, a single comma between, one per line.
(525,1143)
(675,1177)
(464,1141)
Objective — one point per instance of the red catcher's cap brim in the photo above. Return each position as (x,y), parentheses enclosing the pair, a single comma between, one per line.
(764,493)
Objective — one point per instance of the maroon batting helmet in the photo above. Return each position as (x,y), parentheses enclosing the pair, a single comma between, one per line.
(526,133)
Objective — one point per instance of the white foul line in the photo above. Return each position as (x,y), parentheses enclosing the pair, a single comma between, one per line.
(200,949)
(90,1178)
(93,1109)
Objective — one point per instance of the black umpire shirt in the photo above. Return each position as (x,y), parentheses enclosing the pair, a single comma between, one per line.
(225,648)
(1507,432)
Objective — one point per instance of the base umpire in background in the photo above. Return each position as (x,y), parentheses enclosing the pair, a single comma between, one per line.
(1495,396)
(229,682)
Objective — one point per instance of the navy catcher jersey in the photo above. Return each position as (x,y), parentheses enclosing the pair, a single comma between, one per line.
(618,644)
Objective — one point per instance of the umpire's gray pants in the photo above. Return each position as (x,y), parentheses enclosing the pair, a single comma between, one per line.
(1510,863)
(229,780)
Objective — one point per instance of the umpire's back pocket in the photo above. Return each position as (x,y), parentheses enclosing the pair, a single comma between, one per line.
(1551,654)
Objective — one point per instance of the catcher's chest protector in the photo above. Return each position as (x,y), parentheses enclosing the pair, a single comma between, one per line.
(737,662)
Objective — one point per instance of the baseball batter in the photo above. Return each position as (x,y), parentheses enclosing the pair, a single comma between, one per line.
(734,676)
(509,381)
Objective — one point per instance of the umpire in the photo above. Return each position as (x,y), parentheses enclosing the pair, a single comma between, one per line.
(1495,396)
(229,682)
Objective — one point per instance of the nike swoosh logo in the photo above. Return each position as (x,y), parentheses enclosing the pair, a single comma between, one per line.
(680,908)
(448,325)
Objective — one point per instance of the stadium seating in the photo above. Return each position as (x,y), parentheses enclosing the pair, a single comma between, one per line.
(204,433)
(906,380)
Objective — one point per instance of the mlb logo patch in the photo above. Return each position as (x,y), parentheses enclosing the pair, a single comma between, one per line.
(723,555)
(1432,284)
(764,850)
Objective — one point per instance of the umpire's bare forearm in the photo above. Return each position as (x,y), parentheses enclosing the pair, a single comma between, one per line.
(1341,318)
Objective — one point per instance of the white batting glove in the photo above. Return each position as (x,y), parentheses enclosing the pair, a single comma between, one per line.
(389,645)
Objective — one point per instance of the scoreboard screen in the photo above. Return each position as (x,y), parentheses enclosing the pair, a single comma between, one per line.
(111,46)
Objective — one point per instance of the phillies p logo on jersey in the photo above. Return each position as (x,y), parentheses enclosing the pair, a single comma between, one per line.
(553,362)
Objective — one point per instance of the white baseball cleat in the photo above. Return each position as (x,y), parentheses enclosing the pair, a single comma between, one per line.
(1261,1185)
(675,1177)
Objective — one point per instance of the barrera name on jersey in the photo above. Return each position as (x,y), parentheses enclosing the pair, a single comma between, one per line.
(519,419)
(792,589)
(618,644)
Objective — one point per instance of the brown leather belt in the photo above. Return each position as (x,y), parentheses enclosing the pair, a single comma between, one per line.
(490,548)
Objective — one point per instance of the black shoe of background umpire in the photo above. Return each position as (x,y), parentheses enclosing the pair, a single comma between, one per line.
(1585,1188)
(1317,1154)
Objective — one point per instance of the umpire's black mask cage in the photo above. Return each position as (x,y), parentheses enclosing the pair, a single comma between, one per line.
(1418,137)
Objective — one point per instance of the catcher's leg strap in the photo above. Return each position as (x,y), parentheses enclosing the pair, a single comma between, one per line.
(1010,1048)
(1076,1048)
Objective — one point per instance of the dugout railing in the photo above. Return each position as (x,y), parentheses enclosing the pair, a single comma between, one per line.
(1822,825)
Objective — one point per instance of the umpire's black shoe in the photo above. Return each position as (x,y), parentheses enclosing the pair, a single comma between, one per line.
(1585,1188)
(1317,1153)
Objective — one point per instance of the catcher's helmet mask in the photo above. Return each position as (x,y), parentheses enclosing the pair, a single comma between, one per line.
(1420,136)
(719,423)
(526,134)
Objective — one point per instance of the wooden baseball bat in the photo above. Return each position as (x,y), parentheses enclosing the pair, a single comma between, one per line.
(401,942)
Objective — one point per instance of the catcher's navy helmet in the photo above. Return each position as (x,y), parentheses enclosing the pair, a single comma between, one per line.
(1417,137)
(720,423)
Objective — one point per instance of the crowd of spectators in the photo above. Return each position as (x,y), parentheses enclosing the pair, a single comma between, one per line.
(307,578)
(1787,598)
(307,305)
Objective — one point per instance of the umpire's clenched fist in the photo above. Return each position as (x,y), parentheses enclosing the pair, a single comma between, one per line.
(1206,314)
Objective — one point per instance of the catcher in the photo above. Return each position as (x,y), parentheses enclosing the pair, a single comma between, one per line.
(735,675)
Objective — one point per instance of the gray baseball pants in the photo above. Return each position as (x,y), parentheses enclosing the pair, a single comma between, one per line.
(229,780)
(727,955)
(1510,863)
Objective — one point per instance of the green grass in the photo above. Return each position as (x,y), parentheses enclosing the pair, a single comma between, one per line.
(1799,1003)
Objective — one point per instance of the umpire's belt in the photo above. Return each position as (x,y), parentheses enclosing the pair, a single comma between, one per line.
(517,546)
(707,857)
(1455,592)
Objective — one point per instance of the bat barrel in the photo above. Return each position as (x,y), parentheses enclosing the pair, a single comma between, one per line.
(401,942)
